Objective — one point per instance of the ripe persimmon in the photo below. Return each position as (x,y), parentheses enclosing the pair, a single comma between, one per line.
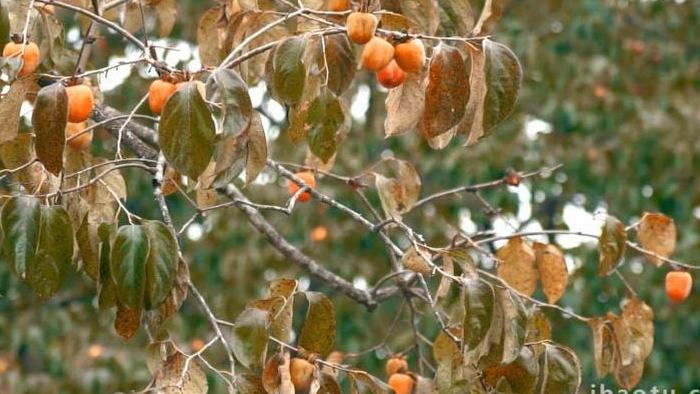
(678,285)
(29,53)
(302,373)
(377,54)
(396,365)
(391,76)
(401,383)
(80,103)
(75,138)
(361,27)
(319,233)
(309,179)
(338,5)
(158,93)
(410,55)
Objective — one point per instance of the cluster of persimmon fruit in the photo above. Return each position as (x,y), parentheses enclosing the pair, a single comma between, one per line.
(80,98)
(390,63)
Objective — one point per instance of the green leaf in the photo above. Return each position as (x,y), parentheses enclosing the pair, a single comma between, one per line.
(54,253)
(318,332)
(446,94)
(324,119)
(561,370)
(503,78)
(21,221)
(515,317)
(161,267)
(479,301)
(49,119)
(88,248)
(128,259)
(226,87)
(611,245)
(249,337)
(106,288)
(186,131)
(340,58)
(289,72)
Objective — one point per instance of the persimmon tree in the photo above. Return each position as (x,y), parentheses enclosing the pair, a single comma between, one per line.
(477,322)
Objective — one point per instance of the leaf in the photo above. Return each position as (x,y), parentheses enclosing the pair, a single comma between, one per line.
(657,234)
(178,294)
(634,339)
(88,243)
(289,72)
(256,150)
(161,266)
(521,374)
(496,77)
(54,252)
(166,11)
(517,266)
(553,273)
(249,337)
(405,105)
(611,245)
(127,321)
(207,38)
(10,106)
(227,88)
(446,94)
(186,131)
(457,18)
(4,27)
(561,370)
(106,288)
(371,382)
(444,348)
(490,15)
(603,346)
(49,119)
(538,327)
(398,195)
(417,261)
(515,319)
(128,259)
(423,13)
(282,321)
(479,299)
(21,222)
(318,332)
(173,377)
(341,62)
(247,383)
(19,152)
(324,120)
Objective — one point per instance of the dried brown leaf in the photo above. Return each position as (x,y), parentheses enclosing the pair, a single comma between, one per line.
(517,266)
(657,233)
(553,273)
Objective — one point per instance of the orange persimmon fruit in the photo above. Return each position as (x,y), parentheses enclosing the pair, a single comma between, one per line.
(80,103)
(30,56)
(302,373)
(75,138)
(338,5)
(309,179)
(361,27)
(158,94)
(410,55)
(401,383)
(391,76)
(678,285)
(396,365)
(377,54)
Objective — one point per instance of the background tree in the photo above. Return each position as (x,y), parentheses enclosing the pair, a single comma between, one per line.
(407,243)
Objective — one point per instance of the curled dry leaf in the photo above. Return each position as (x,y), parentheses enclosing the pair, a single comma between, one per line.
(657,233)
(417,261)
(611,245)
(398,195)
(405,105)
(553,273)
(517,266)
